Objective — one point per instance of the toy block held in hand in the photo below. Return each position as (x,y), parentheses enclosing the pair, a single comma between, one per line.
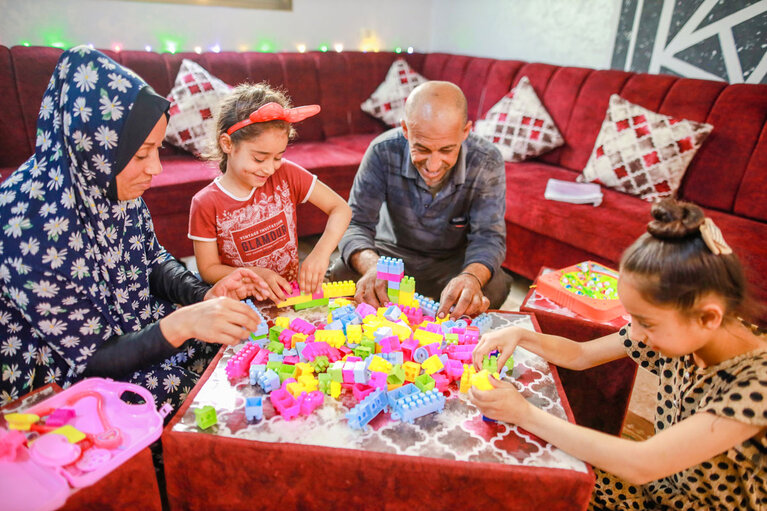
(339,289)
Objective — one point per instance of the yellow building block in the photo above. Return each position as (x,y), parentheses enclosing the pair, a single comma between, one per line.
(379,364)
(412,370)
(480,381)
(295,388)
(303,368)
(353,334)
(73,434)
(282,322)
(468,373)
(393,386)
(338,289)
(425,337)
(293,300)
(309,382)
(335,389)
(297,338)
(21,421)
(334,338)
(432,364)
(402,331)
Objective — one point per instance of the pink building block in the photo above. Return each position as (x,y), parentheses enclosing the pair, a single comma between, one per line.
(286,337)
(389,344)
(310,402)
(365,309)
(360,391)
(285,404)
(239,364)
(60,417)
(408,347)
(441,381)
(460,352)
(453,369)
(433,349)
(377,380)
(291,360)
(302,326)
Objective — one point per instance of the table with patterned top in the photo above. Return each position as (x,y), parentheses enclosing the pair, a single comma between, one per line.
(443,459)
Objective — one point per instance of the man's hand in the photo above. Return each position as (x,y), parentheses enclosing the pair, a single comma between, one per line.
(463,291)
(371,289)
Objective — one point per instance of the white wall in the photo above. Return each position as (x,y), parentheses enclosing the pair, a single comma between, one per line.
(562,32)
(134,25)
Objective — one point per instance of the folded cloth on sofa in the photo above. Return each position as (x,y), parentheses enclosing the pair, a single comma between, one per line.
(576,193)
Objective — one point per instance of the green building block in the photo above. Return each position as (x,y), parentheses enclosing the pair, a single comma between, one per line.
(362,351)
(393,295)
(320,364)
(324,379)
(490,364)
(407,285)
(276,347)
(396,375)
(274,333)
(451,338)
(336,373)
(286,371)
(312,303)
(274,365)
(424,382)
(510,364)
(205,417)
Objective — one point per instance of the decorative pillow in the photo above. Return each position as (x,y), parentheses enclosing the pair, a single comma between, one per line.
(519,125)
(193,102)
(388,101)
(641,152)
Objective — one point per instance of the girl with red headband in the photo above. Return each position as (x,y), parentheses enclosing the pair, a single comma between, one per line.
(247,216)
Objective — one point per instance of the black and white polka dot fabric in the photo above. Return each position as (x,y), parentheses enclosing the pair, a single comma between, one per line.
(736,479)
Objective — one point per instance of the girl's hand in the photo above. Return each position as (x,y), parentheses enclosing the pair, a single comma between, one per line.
(219,320)
(503,403)
(312,272)
(504,340)
(239,285)
(277,287)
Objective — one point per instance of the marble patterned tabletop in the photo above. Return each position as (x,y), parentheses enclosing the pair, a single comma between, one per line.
(457,433)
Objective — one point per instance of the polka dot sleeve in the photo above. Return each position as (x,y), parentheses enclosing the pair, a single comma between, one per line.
(741,391)
(639,351)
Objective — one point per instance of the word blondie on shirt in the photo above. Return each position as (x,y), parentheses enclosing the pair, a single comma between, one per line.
(257,230)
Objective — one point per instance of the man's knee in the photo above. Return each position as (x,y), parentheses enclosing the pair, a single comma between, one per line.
(497,288)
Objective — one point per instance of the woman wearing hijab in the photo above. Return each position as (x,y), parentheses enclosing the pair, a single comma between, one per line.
(85,287)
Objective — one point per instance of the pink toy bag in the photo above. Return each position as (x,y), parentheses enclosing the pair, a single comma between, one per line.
(38,475)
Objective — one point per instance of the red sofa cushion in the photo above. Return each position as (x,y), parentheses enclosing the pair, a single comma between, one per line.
(12,130)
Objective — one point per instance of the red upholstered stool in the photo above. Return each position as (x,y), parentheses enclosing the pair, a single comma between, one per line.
(599,396)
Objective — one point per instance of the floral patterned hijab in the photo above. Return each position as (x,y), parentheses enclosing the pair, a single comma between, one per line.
(74,263)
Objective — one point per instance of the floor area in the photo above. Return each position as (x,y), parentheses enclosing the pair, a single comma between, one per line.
(639,419)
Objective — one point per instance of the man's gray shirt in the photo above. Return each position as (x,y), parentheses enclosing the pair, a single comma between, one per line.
(392,205)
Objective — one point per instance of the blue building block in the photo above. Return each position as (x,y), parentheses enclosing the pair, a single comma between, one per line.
(420,354)
(269,381)
(395,395)
(412,406)
(255,371)
(334,325)
(263,329)
(375,403)
(428,306)
(483,322)
(395,357)
(290,353)
(447,326)
(254,408)
(274,357)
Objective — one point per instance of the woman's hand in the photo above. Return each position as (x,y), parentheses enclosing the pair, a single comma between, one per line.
(219,320)
(504,340)
(503,403)
(312,272)
(277,288)
(242,283)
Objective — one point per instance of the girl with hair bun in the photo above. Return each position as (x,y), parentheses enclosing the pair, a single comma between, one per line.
(686,294)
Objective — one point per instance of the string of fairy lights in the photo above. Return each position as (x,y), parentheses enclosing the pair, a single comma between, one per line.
(171,46)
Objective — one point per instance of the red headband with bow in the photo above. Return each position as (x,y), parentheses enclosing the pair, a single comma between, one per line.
(273,112)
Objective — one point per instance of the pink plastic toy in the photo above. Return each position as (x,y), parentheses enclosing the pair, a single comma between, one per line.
(39,476)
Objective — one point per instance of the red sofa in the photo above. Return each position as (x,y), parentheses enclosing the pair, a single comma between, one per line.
(726,177)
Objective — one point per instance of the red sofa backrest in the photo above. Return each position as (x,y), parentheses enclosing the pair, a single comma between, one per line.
(728,173)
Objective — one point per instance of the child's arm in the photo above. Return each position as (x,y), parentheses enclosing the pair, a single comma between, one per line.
(686,444)
(560,351)
(313,269)
(211,270)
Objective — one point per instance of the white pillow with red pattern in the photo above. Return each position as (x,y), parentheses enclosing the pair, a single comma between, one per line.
(519,125)
(388,101)
(641,152)
(195,96)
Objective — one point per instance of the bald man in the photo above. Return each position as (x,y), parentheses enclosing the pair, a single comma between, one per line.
(433,194)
